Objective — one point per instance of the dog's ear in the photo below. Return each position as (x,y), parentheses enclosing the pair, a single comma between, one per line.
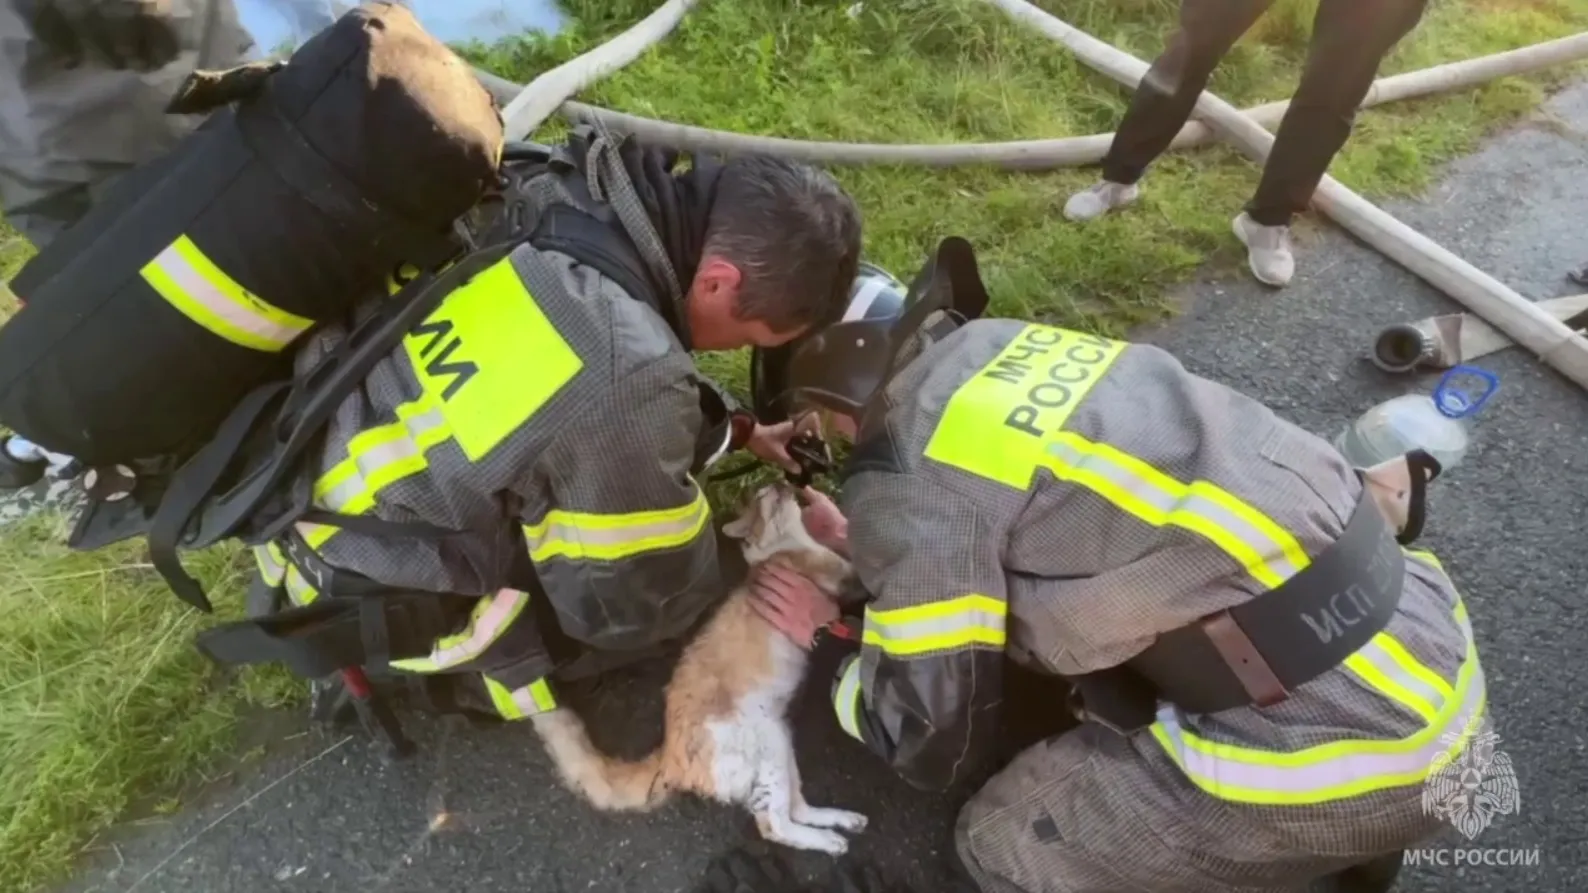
(738,528)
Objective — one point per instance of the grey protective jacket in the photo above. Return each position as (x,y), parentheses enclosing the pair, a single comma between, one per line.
(1064,499)
(547,413)
(63,131)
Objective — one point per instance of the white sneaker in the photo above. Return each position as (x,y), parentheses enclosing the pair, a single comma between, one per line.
(1098,199)
(1267,250)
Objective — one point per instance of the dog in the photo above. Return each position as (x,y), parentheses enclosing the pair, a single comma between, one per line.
(727,734)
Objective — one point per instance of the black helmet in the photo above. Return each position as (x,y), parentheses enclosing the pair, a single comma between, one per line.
(874,295)
(841,366)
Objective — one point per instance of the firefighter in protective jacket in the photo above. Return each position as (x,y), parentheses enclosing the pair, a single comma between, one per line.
(1265,676)
(549,415)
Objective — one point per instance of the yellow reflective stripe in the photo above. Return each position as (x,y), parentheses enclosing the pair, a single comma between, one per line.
(1264,549)
(315,535)
(487,360)
(491,617)
(272,564)
(1427,558)
(966,621)
(299,590)
(1414,668)
(996,423)
(1336,770)
(590,536)
(1375,665)
(518,703)
(201,291)
(380,456)
(846,698)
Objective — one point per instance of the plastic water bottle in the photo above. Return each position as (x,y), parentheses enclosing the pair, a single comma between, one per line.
(1437,423)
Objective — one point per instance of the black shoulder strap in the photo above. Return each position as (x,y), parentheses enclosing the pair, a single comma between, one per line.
(595,243)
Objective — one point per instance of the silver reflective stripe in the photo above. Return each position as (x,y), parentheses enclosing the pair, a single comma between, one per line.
(1338,769)
(862,302)
(608,536)
(1270,553)
(491,618)
(608,540)
(846,700)
(204,293)
(368,461)
(1379,658)
(967,620)
(271,570)
(1392,763)
(524,699)
(530,700)
(299,589)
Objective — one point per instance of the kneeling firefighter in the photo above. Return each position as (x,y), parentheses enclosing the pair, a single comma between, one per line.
(1265,677)
(484,468)
(513,489)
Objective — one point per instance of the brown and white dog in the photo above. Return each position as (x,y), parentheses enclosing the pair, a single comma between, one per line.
(727,735)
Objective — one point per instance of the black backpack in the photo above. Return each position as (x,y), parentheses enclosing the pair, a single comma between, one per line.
(311,182)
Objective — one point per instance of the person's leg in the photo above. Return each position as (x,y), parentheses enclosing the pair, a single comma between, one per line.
(1349,40)
(1055,821)
(1165,98)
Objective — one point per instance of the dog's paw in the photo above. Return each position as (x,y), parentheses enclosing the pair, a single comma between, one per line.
(829,842)
(840,819)
(850,822)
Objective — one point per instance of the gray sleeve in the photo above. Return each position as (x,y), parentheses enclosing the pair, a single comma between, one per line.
(925,689)
(621,536)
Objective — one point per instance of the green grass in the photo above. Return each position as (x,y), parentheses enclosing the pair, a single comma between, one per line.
(105,702)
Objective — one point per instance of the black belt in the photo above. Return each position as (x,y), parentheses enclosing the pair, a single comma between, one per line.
(1256,653)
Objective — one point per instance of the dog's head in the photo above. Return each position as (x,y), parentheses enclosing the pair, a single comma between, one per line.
(771,526)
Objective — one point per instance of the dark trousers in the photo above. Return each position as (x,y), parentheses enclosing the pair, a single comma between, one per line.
(1349,40)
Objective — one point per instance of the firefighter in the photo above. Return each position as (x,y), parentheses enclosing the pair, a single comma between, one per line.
(1264,675)
(83,89)
(548,419)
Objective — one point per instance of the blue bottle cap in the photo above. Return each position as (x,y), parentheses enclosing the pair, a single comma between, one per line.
(1454,402)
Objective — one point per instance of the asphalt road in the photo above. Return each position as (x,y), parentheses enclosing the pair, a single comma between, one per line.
(479,811)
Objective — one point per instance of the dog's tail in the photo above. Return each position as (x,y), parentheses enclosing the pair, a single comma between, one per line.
(607,782)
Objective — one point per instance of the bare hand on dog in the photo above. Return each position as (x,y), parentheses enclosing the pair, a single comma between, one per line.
(790,602)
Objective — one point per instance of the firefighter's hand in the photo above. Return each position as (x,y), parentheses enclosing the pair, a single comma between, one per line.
(137,34)
(790,602)
(769,443)
(824,521)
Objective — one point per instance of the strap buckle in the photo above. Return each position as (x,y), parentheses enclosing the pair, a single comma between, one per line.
(1240,654)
